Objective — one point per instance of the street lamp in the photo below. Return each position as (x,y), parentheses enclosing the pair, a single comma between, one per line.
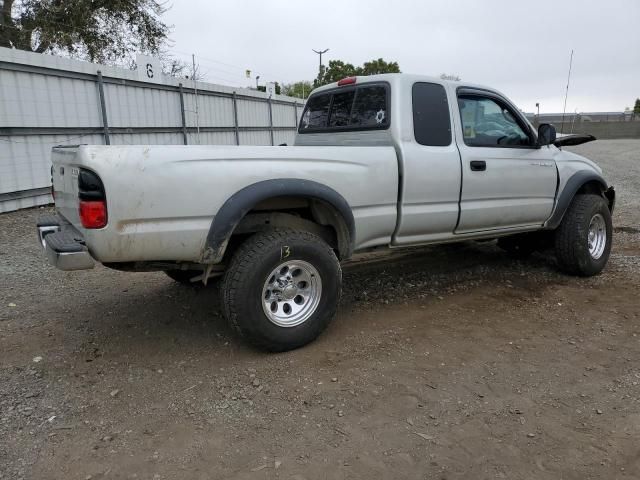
(320,52)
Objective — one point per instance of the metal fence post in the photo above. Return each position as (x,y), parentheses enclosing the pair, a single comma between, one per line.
(103,108)
(184,120)
(270,120)
(235,118)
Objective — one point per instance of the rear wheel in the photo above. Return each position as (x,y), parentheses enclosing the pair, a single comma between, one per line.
(583,240)
(281,289)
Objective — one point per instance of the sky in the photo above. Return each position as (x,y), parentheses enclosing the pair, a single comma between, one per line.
(520,48)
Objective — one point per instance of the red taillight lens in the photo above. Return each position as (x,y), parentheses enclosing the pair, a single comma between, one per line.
(347,81)
(93,214)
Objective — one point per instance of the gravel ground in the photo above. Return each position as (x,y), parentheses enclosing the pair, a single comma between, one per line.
(448,362)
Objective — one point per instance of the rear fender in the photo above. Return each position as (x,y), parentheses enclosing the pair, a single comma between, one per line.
(241,203)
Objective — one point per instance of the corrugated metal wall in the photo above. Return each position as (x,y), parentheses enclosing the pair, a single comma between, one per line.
(47,101)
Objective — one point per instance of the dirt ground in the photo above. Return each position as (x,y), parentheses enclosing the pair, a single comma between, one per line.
(452,362)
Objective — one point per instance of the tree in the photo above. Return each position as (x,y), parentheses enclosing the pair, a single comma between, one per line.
(338,70)
(374,67)
(300,89)
(105,31)
(636,107)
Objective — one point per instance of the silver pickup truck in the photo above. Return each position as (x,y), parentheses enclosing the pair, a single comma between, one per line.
(380,161)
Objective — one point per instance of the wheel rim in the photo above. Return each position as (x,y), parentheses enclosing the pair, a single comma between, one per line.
(597,236)
(291,293)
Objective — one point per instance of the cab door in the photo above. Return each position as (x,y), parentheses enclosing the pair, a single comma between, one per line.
(508,182)
(430,180)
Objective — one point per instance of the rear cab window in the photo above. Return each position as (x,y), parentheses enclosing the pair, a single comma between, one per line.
(360,107)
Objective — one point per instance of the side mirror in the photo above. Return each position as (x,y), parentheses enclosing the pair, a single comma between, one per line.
(546,134)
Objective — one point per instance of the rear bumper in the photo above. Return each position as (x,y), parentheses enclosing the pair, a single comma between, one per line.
(63,245)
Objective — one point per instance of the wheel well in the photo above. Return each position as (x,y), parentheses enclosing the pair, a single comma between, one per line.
(594,187)
(299,213)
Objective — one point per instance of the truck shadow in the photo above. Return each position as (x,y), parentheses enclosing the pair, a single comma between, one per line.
(155,315)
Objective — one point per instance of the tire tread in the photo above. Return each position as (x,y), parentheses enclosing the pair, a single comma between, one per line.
(240,267)
(572,254)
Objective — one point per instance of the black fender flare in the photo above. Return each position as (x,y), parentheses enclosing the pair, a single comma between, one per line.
(575,182)
(240,203)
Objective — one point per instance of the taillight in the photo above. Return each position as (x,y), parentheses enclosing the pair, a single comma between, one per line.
(93,214)
(93,202)
(347,81)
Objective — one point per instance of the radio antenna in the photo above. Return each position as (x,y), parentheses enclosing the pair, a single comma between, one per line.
(566,94)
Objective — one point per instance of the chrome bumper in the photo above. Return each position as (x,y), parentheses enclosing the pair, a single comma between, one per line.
(63,245)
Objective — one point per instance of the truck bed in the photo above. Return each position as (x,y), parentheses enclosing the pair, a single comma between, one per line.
(161,200)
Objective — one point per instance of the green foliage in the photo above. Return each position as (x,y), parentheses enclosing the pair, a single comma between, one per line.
(298,89)
(636,107)
(338,70)
(106,31)
(375,67)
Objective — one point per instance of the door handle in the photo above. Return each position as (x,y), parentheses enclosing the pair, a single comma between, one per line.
(478,165)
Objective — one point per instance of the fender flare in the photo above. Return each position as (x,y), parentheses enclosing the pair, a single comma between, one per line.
(241,202)
(575,182)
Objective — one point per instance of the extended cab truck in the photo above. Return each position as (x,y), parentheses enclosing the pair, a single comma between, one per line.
(387,160)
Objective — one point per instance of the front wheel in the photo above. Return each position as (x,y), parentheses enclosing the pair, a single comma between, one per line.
(583,240)
(282,289)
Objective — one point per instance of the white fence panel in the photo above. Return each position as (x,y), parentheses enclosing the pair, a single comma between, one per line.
(47,101)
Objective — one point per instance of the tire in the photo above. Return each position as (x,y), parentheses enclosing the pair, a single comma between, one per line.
(583,240)
(251,289)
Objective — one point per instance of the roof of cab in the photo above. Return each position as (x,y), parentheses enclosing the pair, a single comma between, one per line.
(401,78)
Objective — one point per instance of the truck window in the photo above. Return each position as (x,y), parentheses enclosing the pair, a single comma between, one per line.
(361,108)
(370,107)
(489,123)
(317,112)
(341,109)
(431,120)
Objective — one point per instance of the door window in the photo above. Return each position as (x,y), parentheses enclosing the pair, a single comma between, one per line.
(489,123)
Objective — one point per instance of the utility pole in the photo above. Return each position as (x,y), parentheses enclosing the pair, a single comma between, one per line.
(195,90)
(566,93)
(320,52)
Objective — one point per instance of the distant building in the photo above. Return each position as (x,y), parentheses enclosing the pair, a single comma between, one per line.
(556,118)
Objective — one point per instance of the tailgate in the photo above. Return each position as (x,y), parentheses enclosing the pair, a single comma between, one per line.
(64,174)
